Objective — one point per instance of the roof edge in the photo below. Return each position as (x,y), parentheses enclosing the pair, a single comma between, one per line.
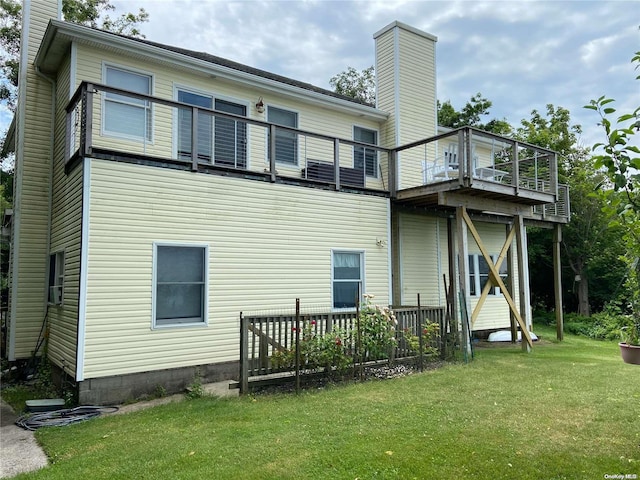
(153,50)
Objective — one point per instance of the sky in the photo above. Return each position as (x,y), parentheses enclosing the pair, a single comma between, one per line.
(520,55)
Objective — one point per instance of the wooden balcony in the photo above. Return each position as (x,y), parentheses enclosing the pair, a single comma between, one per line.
(466,167)
(484,172)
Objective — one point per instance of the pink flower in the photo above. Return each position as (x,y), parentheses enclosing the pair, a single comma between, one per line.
(294,329)
(338,341)
(313,322)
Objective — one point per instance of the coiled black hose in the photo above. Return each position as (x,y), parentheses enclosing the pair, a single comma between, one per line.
(60,418)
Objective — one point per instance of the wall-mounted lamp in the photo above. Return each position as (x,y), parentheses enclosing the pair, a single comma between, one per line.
(260,105)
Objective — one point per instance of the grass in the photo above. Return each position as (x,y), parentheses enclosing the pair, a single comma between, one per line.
(567,410)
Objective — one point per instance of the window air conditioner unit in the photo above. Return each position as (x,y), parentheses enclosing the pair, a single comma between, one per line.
(55,295)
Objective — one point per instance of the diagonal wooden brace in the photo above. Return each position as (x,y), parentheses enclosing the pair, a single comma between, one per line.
(490,283)
(495,277)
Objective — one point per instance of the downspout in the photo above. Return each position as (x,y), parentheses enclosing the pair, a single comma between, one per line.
(52,82)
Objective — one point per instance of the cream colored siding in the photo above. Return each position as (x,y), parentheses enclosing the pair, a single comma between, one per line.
(385,93)
(495,311)
(424,259)
(311,116)
(268,244)
(419,259)
(417,103)
(32,198)
(66,225)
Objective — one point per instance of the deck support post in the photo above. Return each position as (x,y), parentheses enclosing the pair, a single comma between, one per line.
(463,278)
(512,288)
(452,291)
(396,280)
(523,278)
(557,280)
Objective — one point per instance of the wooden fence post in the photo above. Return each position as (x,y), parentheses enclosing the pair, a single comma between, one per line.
(297,345)
(244,355)
(420,339)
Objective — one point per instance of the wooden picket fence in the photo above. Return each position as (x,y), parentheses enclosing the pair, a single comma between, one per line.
(263,337)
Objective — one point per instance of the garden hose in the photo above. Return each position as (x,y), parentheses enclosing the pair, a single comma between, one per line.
(60,418)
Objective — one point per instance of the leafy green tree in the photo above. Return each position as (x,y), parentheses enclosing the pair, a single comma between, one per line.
(472,115)
(355,84)
(619,157)
(587,239)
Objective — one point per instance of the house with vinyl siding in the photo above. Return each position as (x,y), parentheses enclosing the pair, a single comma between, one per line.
(162,191)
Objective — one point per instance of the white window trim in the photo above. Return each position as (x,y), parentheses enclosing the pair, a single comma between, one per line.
(58,282)
(205,312)
(353,132)
(476,275)
(363,260)
(107,133)
(298,142)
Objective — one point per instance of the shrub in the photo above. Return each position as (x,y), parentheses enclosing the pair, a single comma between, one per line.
(377,331)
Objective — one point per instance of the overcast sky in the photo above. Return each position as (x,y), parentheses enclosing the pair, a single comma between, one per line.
(520,55)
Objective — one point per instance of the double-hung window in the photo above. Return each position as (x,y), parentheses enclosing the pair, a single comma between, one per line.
(365,158)
(479,275)
(348,278)
(124,115)
(56,278)
(180,285)
(286,141)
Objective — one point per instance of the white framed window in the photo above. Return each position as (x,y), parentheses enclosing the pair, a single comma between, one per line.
(365,158)
(125,116)
(286,141)
(347,278)
(56,278)
(180,283)
(479,274)
(222,141)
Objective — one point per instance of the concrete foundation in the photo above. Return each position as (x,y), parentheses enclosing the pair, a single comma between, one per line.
(122,388)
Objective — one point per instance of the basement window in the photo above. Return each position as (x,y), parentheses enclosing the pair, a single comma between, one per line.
(56,278)
(180,285)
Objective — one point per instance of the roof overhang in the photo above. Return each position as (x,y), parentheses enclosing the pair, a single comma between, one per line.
(59,36)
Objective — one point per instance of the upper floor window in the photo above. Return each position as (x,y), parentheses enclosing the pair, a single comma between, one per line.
(124,115)
(365,158)
(286,141)
(479,275)
(348,278)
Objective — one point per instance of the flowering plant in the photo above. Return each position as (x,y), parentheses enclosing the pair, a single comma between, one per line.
(377,330)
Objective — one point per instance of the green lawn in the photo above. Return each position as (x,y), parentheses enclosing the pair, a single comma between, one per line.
(568,410)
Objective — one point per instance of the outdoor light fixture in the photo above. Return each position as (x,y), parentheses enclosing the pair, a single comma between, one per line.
(260,105)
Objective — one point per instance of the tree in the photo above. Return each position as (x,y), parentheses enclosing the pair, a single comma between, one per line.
(587,239)
(619,157)
(91,13)
(471,115)
(354,84)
